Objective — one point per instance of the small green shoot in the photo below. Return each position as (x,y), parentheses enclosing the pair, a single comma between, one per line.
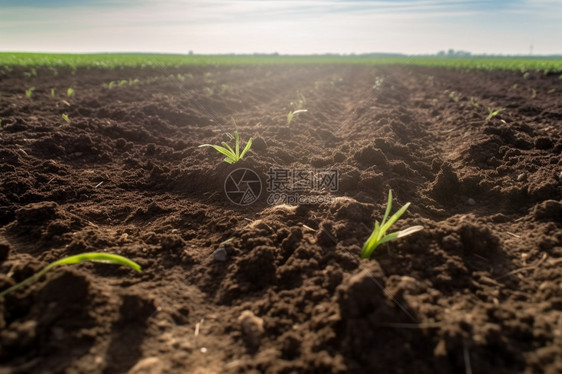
(232,155)
(453,95)
(378,83)
(300,102)
(110,85)
(473,102)
(533,93)
(492,113)
(292,113)
(52,92)
(77,259)
(69,92)
(65,117)
(378,236)
(29,92)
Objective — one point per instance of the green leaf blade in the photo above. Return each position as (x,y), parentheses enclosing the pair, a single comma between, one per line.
(247,148)
(237,143)
(395,217)
(220,149)
(371,243)
(76,259)
(388,207)
(228,147)
(97,257)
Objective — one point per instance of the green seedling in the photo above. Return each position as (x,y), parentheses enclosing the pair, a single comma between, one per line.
(453,95)
(533,93)
(65,117)
(133,81)
(492,113)
(180,77)
(232,155)
(29,92)
(111,85)
(32,73)
(300,102)
(514,87)
(473,102)
(69,92)
(378,236)
(77,259)
(123,82)
(292,114)
(52,92)
(378,83)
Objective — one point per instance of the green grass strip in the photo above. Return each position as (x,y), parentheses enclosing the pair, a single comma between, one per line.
(120,60)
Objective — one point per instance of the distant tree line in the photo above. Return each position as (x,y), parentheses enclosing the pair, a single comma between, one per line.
(453,53)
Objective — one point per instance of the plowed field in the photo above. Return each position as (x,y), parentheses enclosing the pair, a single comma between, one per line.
(271,283)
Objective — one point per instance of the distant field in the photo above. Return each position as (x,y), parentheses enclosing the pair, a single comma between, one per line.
(8,60)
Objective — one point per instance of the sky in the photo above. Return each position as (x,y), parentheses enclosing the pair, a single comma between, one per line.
(282,26)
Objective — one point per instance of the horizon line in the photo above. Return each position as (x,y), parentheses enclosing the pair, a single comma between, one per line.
(456,54)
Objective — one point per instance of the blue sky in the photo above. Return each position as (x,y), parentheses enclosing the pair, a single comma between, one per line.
(284,26)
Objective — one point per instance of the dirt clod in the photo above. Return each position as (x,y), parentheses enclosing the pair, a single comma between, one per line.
(252,329)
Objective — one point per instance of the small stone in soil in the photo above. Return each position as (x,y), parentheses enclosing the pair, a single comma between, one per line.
(220,254)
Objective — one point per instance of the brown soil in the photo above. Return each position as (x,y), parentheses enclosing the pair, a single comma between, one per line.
(478,290)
